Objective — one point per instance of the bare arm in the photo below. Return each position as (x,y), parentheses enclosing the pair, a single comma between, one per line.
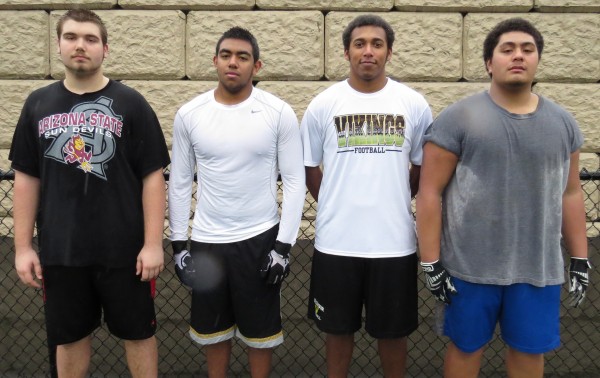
(314,176)
(25,205)
(414,176)
(437,170)
(573,220)
(150,261)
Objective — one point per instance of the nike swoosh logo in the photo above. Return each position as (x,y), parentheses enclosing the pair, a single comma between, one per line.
(255,110)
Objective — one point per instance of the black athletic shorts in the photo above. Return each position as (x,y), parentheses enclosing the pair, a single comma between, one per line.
(387,288)
(232,298)
(76,297)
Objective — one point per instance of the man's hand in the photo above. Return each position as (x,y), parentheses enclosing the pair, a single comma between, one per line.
(578,278)
(184,265)
(27,264)
(276,265)
(438,281)
(150,262)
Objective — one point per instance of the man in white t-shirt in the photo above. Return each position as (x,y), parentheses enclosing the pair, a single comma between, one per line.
(238,139)
(366,131)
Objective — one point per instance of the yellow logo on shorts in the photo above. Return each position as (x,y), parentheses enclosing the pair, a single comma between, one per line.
(318,308)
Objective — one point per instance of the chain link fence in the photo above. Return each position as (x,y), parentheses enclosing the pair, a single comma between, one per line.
(24,353)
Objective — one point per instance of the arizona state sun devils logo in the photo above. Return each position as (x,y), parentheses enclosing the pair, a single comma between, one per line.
(84,137)
(385,131)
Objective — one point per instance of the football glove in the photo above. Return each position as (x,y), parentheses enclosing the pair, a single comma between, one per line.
(184,265)
(438,281)
(578,279)
(276,265)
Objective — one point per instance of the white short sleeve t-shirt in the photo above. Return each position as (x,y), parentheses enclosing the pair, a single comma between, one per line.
(365,143)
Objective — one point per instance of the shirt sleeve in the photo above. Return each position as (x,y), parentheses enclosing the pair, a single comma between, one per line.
(151,151)
(291,168)
(423,120)
(25,150)
(312,139)
(446,131)
(181,180)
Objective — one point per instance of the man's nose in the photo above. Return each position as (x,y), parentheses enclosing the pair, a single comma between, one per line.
(233,61)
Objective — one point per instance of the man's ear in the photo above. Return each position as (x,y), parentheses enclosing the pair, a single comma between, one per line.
(257,66)
(488,66)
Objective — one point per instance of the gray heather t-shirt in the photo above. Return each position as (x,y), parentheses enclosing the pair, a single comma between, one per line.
(502,209)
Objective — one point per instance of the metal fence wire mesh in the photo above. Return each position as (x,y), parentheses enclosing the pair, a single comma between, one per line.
(24,353)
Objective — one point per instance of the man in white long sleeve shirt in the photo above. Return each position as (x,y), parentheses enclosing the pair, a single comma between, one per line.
(238,139)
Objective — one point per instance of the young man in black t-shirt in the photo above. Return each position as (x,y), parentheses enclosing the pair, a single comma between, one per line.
(88,154)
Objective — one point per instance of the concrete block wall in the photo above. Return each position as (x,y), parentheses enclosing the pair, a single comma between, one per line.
(164,49)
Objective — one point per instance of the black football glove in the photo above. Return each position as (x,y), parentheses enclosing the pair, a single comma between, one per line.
(276,265)
(438,281)
(184,265)
(578,279)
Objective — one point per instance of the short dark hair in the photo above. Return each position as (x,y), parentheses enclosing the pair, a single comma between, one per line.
(237,32)
(507,26)
(82,15)
(368,20)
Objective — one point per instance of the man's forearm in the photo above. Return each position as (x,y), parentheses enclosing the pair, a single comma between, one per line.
(314,176)
(154,203)
(429,226)
(25,206)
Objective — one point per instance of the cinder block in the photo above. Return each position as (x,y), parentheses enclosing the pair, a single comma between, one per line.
(57,4)
(4,162)
(427,47)
(567,6)
(440,95)
(464,5)
(582,101)
(23,44)
(166,97)
(589,161)
(12,97)
(142,44)
(291,43)
(338,5)
(571,51)
(296,93)
(188,4)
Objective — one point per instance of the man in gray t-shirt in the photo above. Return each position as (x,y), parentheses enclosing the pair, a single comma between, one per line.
(499,186)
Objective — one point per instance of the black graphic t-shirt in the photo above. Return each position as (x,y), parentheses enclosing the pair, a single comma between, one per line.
(91,153)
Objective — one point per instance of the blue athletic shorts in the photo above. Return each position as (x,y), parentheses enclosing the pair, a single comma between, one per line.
(528,316)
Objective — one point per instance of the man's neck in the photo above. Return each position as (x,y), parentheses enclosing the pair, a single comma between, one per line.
(222,96)
(516,100)
(85,84)
(370,86)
